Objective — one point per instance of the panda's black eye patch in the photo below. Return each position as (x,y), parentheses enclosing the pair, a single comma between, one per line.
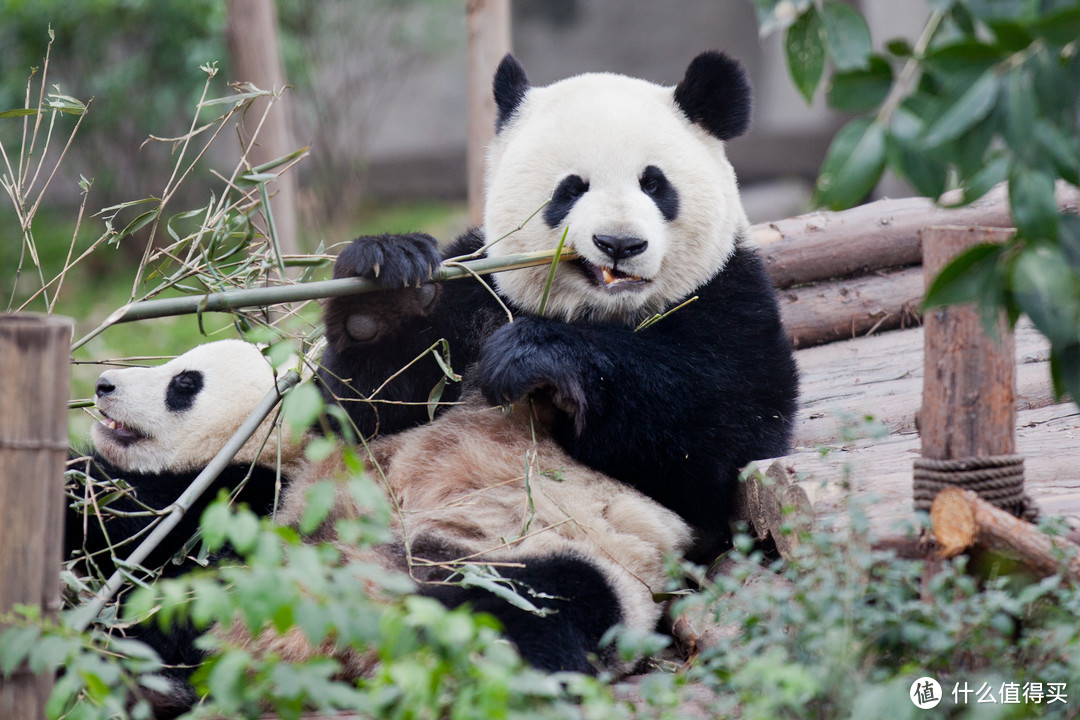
(180,395)
(655,184)
(570,189)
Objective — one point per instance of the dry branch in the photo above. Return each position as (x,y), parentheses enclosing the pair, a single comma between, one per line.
(962,521)
(881,234)
(844,309)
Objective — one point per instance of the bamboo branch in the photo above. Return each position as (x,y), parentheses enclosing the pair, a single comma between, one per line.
(228,300)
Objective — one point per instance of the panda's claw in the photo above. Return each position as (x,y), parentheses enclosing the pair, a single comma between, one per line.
(398,261)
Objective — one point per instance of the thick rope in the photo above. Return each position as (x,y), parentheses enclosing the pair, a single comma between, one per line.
(999,480)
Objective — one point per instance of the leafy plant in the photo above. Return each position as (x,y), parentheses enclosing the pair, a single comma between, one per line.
(844,629)
(988,94)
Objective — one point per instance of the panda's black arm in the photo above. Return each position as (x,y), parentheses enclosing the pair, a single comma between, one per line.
(675,409)
(371,337)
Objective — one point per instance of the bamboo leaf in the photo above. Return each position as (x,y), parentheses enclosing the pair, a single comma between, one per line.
(846,35)
(861,90)
(18,112)
(964,277)
(1031,200)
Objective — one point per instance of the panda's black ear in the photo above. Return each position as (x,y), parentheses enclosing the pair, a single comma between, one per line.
(715,93)
(509,86)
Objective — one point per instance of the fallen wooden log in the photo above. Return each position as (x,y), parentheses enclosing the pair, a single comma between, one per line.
(823,245)
(962,521)
(844,309)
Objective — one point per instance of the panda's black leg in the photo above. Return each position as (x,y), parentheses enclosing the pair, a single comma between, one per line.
(577,607)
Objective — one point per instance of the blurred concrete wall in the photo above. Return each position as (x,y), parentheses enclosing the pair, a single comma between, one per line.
(416,147)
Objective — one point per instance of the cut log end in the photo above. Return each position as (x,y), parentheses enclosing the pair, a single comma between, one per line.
(962,521)
(953,517)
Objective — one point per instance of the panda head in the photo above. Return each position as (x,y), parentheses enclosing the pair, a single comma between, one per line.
(177,416)
(635,173)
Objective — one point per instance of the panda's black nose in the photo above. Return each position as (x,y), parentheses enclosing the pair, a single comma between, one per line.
(103,388)
(620,247)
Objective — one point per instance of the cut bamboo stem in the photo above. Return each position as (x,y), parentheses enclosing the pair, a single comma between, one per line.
(228,300)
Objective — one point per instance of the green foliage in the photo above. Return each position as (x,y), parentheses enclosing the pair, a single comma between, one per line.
(843,630)
(431,661)
(135,56)
(990,93)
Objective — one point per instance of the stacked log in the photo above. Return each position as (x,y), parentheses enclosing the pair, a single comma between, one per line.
(856,272)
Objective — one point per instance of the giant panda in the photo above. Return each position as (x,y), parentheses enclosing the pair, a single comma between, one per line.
(637,177)
(658,415)
(158,428)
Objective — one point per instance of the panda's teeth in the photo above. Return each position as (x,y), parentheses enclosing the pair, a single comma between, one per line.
(611,278)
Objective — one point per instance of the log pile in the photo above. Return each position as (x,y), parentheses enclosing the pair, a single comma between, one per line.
(851,273)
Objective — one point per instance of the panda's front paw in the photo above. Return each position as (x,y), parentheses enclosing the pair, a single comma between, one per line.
(527,357)
(398,260)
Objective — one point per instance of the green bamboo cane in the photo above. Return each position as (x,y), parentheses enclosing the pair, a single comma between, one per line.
(227,300)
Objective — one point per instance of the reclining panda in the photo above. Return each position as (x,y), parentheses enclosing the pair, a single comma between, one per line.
(637,178)
(160,426)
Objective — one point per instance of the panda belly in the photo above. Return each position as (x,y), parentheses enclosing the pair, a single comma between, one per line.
(483,489)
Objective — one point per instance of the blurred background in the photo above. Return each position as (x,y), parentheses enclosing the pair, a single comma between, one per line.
(378,92)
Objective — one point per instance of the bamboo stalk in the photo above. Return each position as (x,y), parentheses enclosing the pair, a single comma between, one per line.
(227,300)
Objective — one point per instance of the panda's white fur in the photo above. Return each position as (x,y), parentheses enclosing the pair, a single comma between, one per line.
(140,433)
(608,128)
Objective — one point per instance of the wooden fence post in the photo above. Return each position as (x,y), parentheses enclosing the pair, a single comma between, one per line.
(968,407)
(34,379)
(488,24)
(968,418)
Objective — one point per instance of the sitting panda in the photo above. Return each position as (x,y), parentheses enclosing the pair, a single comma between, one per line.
(160,426)
(653,419)
(636,176)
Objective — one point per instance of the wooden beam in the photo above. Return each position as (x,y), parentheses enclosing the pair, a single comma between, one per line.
(963,522)
(850,308)
(34,378)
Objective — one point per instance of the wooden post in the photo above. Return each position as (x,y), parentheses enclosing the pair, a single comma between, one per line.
(968,408)
(34,378)
(489,40)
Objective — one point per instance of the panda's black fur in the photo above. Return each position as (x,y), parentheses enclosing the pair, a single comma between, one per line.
(89,536)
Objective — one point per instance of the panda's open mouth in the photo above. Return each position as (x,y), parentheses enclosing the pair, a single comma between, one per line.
(120,432)
(611,279)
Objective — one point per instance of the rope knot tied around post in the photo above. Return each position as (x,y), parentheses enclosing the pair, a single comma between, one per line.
(997,479)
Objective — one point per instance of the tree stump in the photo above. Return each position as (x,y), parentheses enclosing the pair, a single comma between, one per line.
(34,379)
